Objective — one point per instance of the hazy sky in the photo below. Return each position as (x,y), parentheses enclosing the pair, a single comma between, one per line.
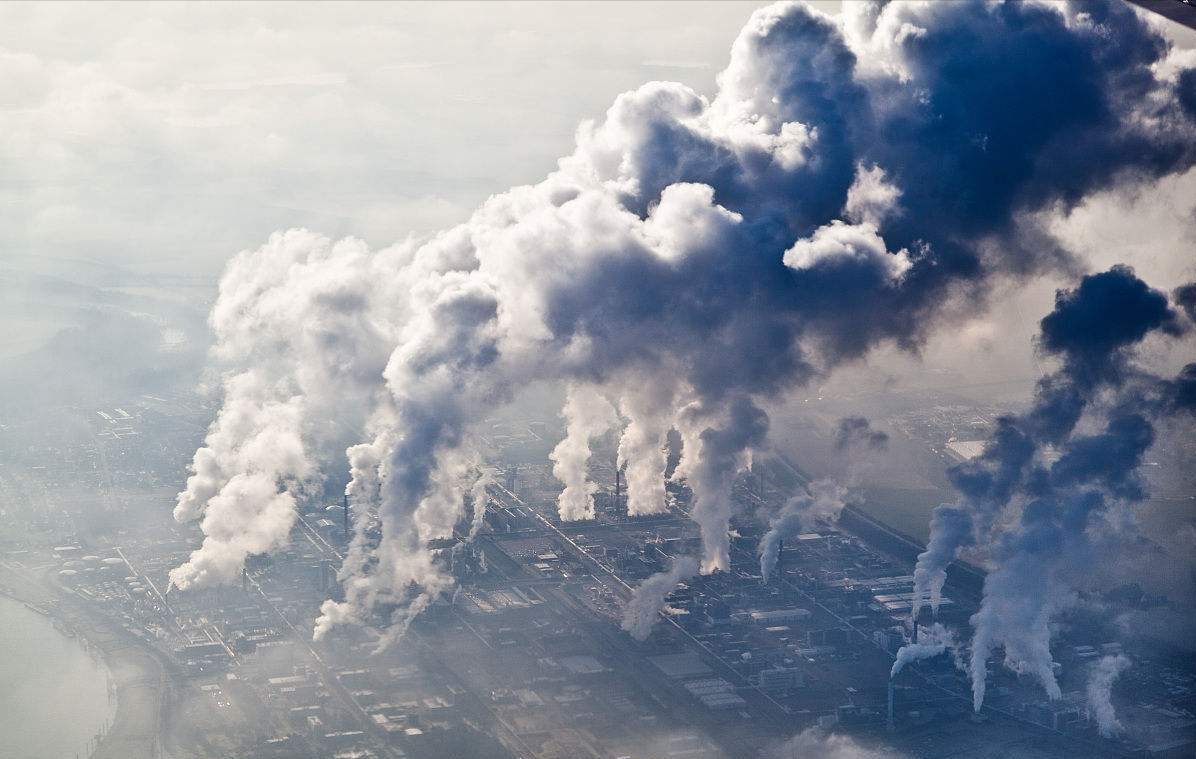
(171,136)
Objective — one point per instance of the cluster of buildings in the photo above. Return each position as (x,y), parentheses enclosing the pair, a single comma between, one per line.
(528,657)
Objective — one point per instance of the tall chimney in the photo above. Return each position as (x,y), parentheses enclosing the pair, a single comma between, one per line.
(345,498)
(618,486)
(889,721)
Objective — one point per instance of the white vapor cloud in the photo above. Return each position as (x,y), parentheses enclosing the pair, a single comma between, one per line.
(643,609)
(1100,691)
(588,415)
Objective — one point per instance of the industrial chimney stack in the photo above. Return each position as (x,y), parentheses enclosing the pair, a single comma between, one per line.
(618,488)
(889,720)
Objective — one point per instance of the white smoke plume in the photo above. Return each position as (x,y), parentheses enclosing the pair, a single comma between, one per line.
(644,607)
(363,493)
(480,500)
(950,532)
(648,409)
(934,641)
(831,196)
(1100,693)
(823,502)
(711,457)
(297,327)
(588,415)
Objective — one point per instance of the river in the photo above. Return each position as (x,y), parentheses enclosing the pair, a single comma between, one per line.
(53,693)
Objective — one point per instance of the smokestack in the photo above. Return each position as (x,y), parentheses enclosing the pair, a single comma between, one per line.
(345,500)
(618,486)
(889,720)
(915,631)
(778,569)
(244,580)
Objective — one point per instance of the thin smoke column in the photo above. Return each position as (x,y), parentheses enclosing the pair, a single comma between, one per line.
(1100,693)
(838,189)
(643,609)
(822,502)
(935,641)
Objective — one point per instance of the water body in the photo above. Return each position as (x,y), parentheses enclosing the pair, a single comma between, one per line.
(53,693)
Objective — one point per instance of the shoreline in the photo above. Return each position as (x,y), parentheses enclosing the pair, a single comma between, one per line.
(136,676)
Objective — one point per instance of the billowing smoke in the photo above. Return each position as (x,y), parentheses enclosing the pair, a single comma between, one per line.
(822,502)
(934,641)
(856,431)
(1039,518)
(693,257)
(1100,693)
(1091,330)
(588,415)
(298,328)
(644,607)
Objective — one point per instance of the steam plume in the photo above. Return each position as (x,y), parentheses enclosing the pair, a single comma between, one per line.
(1100,692)
(588,416)
(295,323)
(644,607)
(823,502)
(642,451)
(935,640)
(710,459)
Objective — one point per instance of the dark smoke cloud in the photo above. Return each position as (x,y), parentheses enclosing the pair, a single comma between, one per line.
(1185,298)
(693,258)
(1107,313)
(1186,90)
(857,431)
(1181,391)
(1039,518)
